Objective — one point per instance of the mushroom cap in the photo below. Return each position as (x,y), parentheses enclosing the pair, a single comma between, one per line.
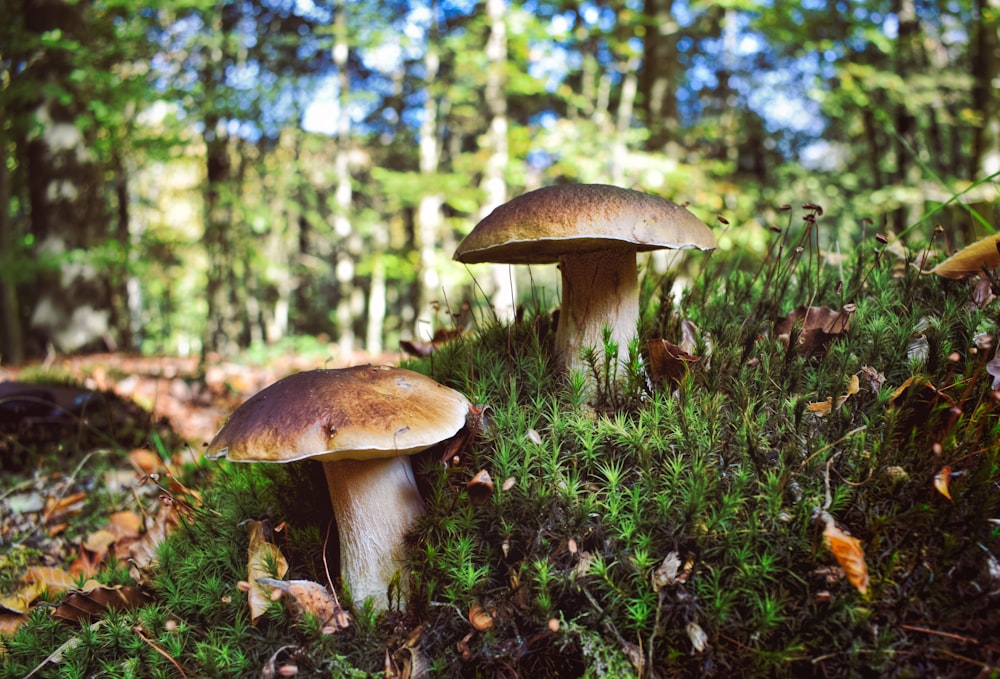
(541,226)
(356,413)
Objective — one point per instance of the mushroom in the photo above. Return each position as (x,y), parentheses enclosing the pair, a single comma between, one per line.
(594,232)
(362,423)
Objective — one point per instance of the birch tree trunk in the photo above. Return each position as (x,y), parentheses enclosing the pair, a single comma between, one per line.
(429,217)
(494,183)
(345,259)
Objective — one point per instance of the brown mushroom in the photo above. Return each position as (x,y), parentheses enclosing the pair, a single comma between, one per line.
(362,423)
(594,232)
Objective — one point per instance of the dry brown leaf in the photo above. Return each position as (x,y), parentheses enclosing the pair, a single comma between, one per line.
(665,574)
(971,259)
(146,462)
(819,326)
(9,622)
(668,362)
(306,597)
(100,541)
(52,579)
(58,510)
(480,617)
(823,408)
(849,554)
(264,560)
(142,553)
(20,601)
(941,481)
(94,600)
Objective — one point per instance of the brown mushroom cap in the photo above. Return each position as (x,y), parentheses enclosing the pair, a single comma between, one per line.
(541,226)
(355,413)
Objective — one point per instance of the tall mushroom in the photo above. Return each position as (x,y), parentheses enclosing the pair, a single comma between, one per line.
(594,232)
(362,423)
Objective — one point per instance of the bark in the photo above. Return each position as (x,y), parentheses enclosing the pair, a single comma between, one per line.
(348,243)
(658,76)
(494,183)
(12,341)
(429,217)
(985,57)
(71,306)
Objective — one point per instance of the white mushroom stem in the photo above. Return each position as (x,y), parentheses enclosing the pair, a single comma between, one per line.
(599,289)
(375,503)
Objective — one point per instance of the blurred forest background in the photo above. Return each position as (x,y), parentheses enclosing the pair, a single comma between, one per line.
(194,176)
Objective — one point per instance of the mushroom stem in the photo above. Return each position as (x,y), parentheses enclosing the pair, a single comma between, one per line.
(375,503)
(600,289)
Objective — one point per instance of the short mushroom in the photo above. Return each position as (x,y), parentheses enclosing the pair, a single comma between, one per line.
(594,232)
(362,423)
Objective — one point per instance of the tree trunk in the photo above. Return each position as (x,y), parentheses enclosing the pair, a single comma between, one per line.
(984,159)
(12,341)
(347,241)
(494,183)
(658,77)
(429,217)
(71,307)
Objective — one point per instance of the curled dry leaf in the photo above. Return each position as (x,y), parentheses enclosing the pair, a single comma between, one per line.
(668,363)
(264,560)
(666,573)
(697,636)
(142,552)
(823,408)
(93,600)
(847,550)
(818,327)
(941,481)
(971,260)
(480,617)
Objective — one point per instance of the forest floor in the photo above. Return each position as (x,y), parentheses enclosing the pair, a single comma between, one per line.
(173,388)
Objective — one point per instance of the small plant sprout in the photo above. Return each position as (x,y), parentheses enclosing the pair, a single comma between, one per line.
(593,232)
(362,423)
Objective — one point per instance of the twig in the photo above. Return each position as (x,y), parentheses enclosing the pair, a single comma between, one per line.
(947,635)
(155,647)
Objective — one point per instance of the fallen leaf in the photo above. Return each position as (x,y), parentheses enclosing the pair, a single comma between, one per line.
(668,362)
(94,599)
(697,636)
(847,550)
(480,618)
(818,327)
(823,408)
(142,553)
(941,481)
(53,579)
(971,259)
(306,597)
(423,349)
(146,462)
(264,561)
(666,573)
